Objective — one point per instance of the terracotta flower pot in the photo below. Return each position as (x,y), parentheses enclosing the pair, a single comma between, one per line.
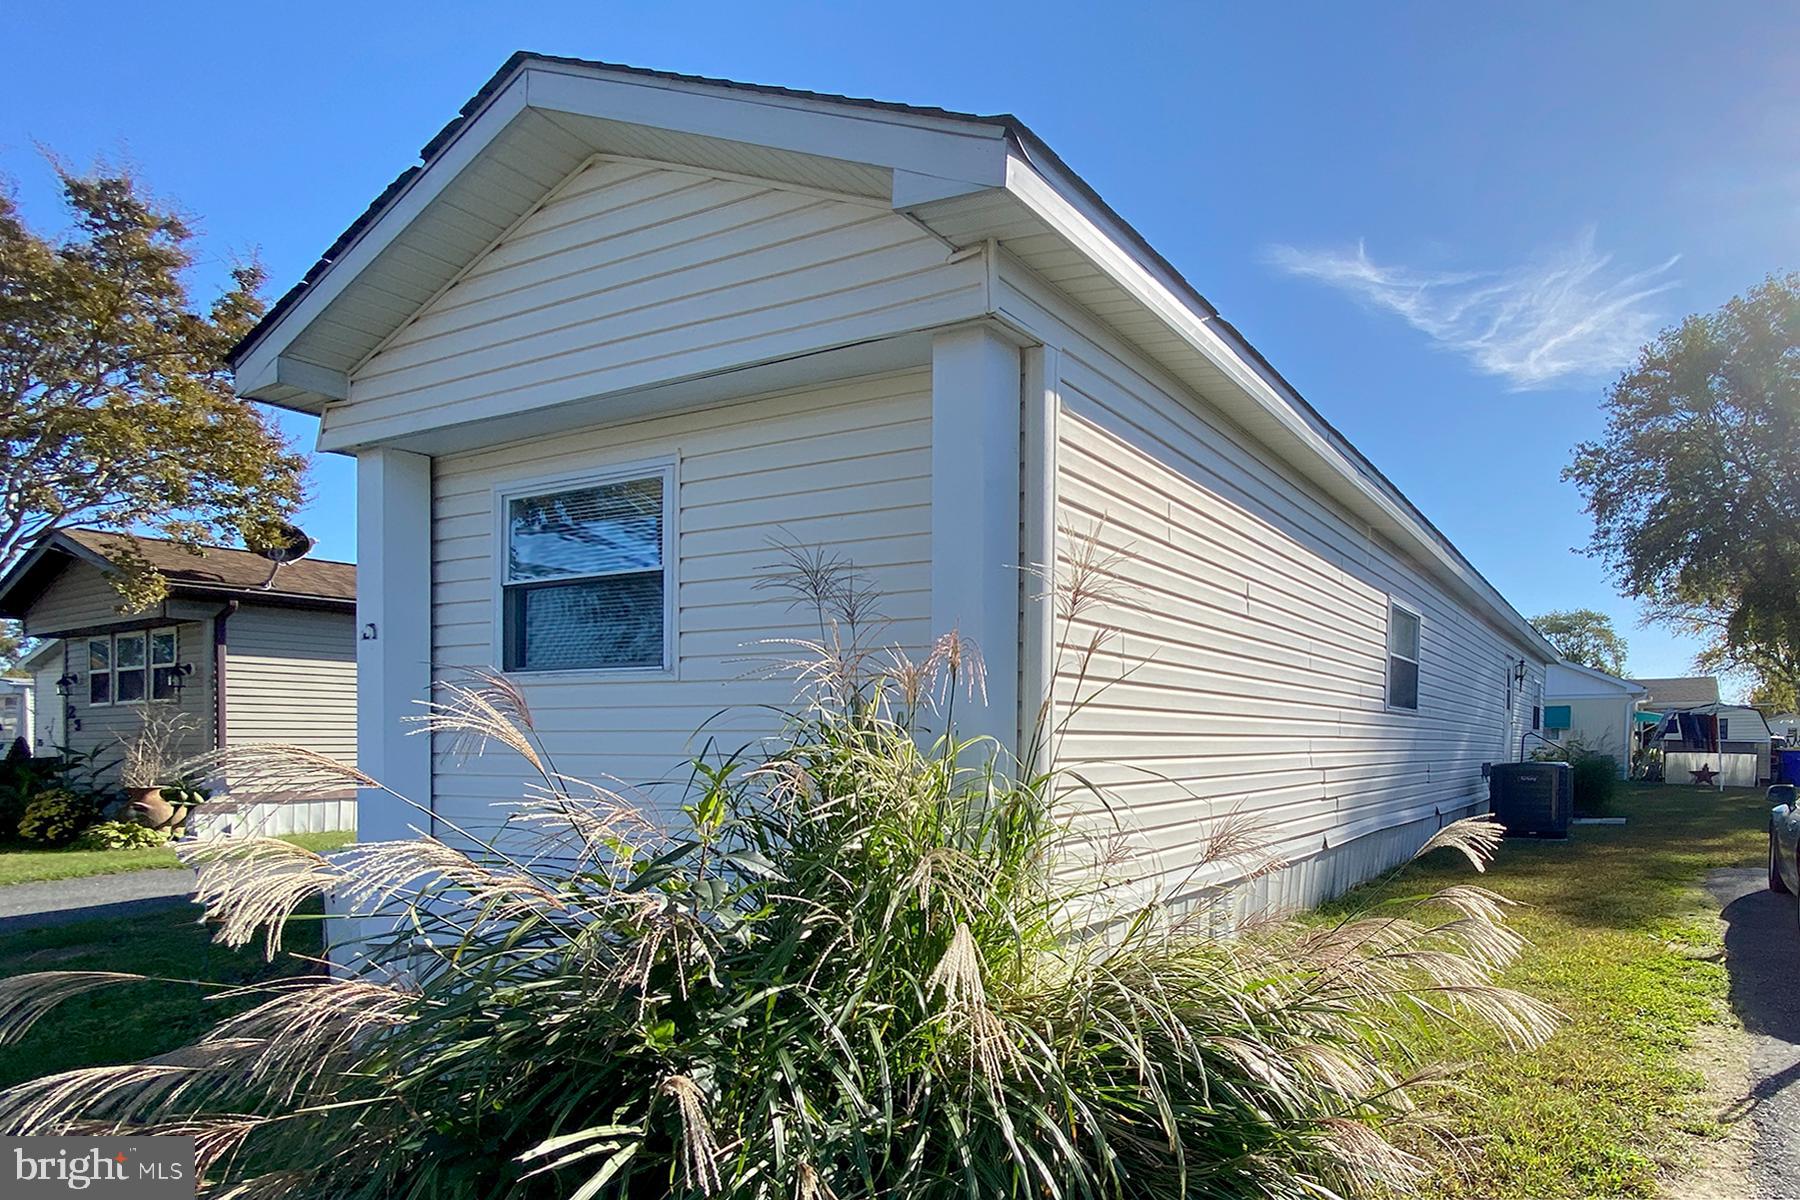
(149,809)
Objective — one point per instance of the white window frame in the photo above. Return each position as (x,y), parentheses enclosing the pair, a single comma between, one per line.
(149,666)
(518,489)
(88,673)
(139,635)
(1388,655)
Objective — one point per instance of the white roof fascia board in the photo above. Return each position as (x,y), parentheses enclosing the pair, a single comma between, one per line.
(1613,682)
(262,365)
(1150,286)
(827,129)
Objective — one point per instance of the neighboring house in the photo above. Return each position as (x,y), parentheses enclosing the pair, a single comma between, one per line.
(1786,726)
(17,704)
(623,329)
(1596,710)
(245,651)
(1729,739)
(1667,695)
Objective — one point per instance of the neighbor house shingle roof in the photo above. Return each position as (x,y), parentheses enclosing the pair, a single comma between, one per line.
(212,570)
(1688,692)
(226,568)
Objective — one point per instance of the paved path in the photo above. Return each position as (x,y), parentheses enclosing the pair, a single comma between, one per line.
(34,905)
(1762,952)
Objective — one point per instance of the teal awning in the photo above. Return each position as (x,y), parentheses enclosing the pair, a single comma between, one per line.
(1649,718)
(1556,716)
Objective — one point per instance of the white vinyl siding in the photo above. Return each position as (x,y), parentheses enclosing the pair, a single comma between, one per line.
(845,466)
(631,274)
(290,676)
(1245,674)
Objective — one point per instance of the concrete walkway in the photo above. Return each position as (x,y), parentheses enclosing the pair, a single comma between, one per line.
(61,901)
(1762,953)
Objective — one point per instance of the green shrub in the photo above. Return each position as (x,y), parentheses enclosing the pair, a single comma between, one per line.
(866,963)
(23,777)
(119,835)
(1596,784)
(56,815)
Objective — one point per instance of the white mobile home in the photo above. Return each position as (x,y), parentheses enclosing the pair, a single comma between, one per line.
(621,329)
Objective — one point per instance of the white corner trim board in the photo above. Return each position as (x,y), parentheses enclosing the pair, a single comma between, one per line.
(393,631)
(975,403)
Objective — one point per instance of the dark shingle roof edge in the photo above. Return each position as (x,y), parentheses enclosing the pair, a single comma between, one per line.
(1035,149)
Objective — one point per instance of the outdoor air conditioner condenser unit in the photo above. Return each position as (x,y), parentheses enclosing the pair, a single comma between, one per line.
(1533,799)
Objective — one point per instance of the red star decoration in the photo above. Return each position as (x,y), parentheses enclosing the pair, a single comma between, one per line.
(118,1158)
(1704,775)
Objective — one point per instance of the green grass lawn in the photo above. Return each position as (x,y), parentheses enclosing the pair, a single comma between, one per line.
(1625,943)
(19,864)
(131,1021)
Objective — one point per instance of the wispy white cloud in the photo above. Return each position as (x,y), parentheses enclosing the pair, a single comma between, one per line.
(1568,313)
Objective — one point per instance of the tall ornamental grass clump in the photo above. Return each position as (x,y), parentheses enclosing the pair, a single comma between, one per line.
(866,962)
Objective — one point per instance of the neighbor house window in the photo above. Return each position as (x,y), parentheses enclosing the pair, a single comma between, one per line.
(165,678)
(1403,658)
(100,671)
(585,576)
(1724,729)
(128,668)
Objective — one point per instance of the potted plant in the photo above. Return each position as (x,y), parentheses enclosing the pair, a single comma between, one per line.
(155,795)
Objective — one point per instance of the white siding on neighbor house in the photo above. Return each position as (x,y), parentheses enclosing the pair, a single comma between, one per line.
(632,274)
(844,466)
(48,724)
(290,676)
(1244,676)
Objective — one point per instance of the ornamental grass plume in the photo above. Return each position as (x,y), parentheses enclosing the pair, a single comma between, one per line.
(861,964)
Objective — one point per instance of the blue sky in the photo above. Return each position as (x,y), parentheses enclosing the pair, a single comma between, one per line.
(1449,229)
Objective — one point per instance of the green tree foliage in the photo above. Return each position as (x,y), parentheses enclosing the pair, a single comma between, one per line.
(1776,696)
(1695,488)
(1584,636)
(116,407)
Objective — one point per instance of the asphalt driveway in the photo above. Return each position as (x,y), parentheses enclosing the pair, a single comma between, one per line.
(58,901)
(1762,953)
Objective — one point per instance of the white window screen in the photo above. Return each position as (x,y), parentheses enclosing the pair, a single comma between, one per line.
(585,578)
(1403,658)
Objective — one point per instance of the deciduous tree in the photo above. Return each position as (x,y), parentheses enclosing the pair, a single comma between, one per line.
(116,407)
(1695,488)
(1584,636)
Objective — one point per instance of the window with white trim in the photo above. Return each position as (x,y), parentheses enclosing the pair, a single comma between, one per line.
(165,672)
(130,676)
(585,575)
(100,670)
(128,668)
(1403,658)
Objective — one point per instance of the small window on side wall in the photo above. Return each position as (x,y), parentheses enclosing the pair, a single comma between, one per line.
(585,576)
(1403,658)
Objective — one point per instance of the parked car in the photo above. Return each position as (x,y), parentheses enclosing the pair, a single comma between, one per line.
(1784,838)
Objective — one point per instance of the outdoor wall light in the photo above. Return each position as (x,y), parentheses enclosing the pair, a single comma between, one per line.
(1519,675)
(65,685)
